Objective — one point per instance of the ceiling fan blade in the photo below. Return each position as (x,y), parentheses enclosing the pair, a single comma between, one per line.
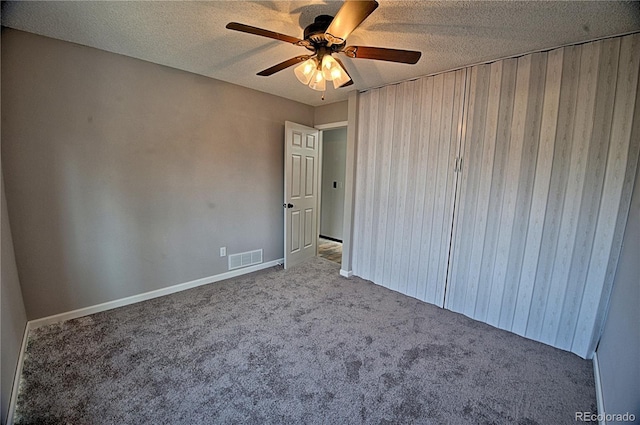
(379,53)
(350,15)
(283,65)
(348,83)
(265,33)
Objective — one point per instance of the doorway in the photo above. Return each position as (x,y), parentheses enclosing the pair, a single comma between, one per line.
(332,193)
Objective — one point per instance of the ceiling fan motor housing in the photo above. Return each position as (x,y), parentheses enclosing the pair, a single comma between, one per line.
(315,33)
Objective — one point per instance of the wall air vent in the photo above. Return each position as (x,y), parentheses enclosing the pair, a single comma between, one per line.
(245,259)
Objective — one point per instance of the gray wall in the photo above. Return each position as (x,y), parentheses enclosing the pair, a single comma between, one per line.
(619,348)
(331,113)
(13,317)
(334,157)
(124,177)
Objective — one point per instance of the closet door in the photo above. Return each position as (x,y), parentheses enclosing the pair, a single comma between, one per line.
(408,139)
(549,156)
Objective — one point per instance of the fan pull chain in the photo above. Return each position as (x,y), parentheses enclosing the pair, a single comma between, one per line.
(323,94)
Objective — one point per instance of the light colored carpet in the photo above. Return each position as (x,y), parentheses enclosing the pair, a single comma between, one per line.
(302,346)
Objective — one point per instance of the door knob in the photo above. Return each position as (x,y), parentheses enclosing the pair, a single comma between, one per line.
(287,205)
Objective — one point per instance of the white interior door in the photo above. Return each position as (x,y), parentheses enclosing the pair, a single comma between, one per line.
(300,193)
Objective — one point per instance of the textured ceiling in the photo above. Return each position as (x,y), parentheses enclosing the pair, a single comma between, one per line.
(191,35)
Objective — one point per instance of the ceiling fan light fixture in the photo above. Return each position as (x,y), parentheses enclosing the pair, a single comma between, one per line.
(341,81)
(306,70)
(333,71)
(330,67)
(317,81)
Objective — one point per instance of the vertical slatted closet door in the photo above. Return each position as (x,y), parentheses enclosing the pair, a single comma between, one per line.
(408,139)
(550,151)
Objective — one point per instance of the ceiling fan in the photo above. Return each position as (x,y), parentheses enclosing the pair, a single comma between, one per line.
(324,37)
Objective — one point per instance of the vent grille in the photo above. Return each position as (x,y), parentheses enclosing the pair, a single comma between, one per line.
(245,259)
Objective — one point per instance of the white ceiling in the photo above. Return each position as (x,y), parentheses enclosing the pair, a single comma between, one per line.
(191,35)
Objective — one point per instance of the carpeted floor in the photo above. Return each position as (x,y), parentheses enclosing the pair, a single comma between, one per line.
(302,346)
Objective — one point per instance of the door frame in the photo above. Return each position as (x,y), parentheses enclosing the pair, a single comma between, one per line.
(321,128)
(349,181)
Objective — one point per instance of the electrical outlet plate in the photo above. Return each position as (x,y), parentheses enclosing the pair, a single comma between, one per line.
(223,251)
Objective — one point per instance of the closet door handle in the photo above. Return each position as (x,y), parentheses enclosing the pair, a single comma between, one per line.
(457,168)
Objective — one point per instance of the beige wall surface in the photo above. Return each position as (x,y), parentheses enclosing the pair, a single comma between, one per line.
(331,113)
(124,176)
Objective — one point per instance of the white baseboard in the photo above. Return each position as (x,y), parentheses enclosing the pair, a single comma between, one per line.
(346,273)
(74,314)
(16,379)
(598,384)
